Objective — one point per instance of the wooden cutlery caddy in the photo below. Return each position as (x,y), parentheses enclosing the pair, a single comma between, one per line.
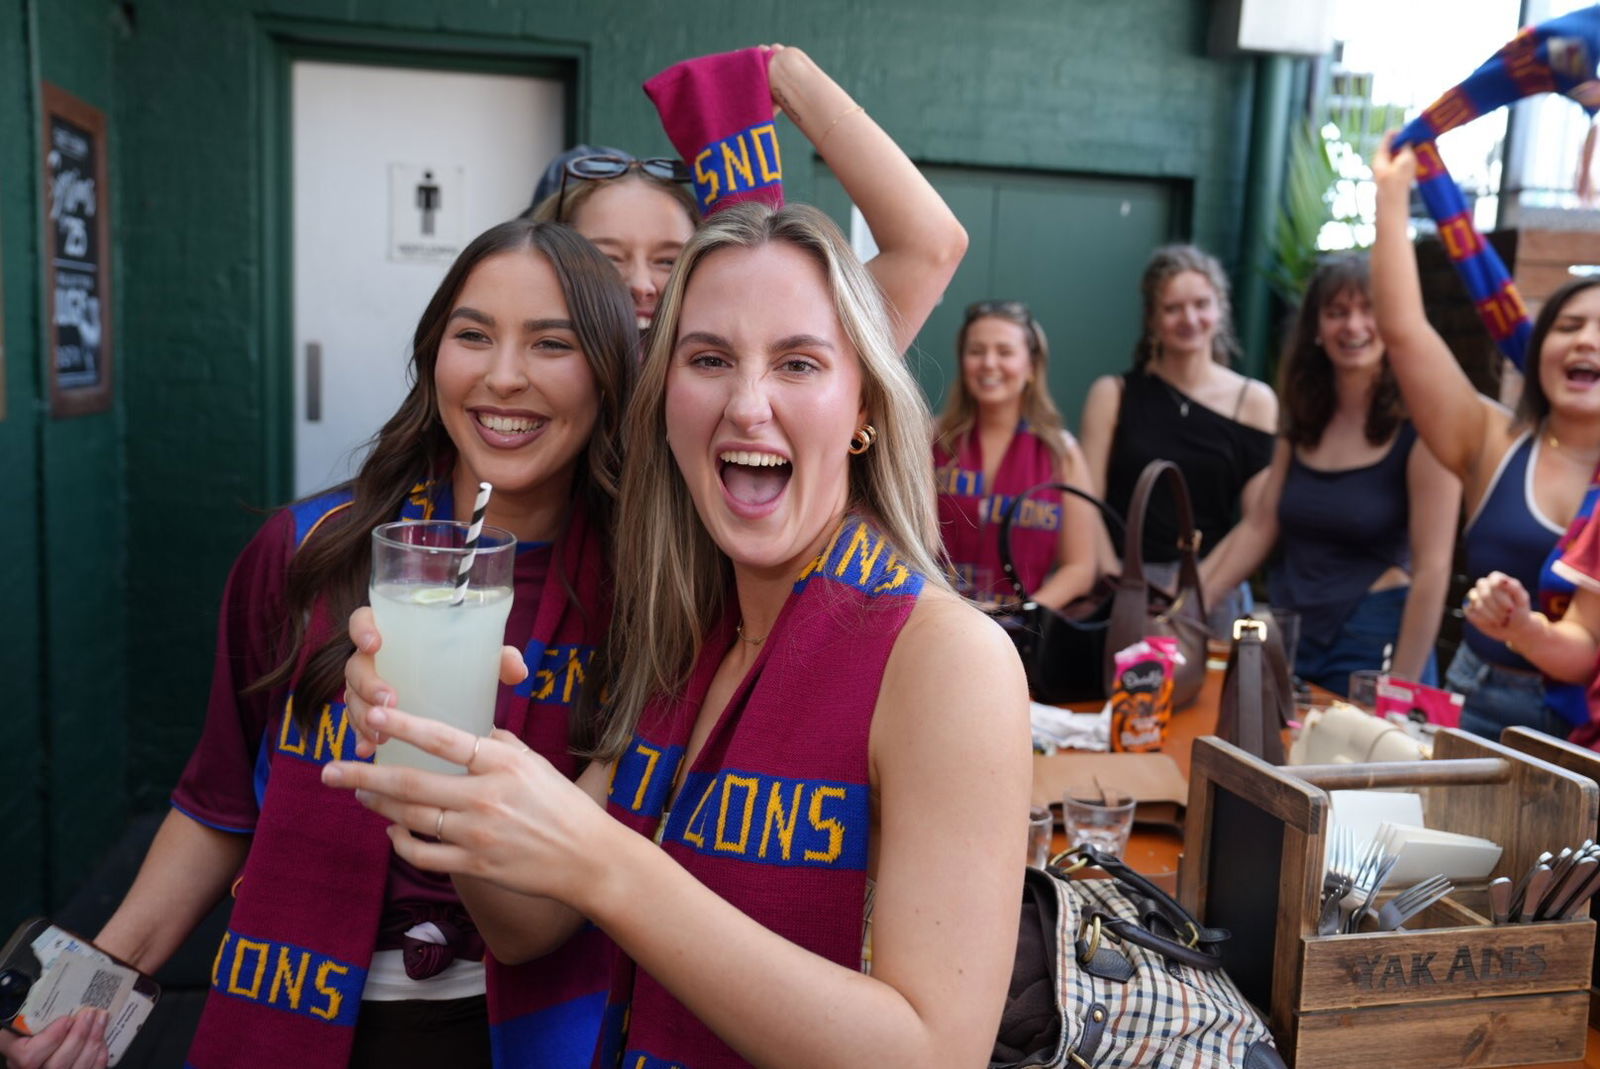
(1452,990)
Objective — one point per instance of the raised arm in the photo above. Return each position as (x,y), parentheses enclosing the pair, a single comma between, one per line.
(920,241)
(1077,564)
(1242,549)
(1450,416)
(952,794)
(1435,509)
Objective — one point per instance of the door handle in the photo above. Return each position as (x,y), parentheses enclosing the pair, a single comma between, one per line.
(313,382)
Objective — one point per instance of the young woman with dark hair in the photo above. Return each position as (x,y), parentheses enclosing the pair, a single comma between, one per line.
(1523,474)
(1000,435)
(1362,514)
(338,952)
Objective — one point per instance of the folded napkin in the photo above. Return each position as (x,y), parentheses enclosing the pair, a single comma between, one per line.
(1062,729)
(717,111)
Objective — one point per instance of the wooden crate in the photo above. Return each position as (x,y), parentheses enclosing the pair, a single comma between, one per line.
(1453,990)
(1586,763)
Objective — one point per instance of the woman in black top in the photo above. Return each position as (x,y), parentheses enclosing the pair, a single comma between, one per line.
(1181,402)
(1364,516)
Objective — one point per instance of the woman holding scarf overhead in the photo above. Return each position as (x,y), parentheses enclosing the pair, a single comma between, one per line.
(638,213)
(338,952)
(1001,435)
(789,754)
(1523,474)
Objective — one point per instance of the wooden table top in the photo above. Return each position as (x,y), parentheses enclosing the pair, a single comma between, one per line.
(1154,852)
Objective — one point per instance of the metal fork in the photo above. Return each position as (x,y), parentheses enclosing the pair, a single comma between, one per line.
(1339,881)
(1413,900)
(1385,865)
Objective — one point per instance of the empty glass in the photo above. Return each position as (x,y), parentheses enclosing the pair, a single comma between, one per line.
(1101,819)
(1041,827)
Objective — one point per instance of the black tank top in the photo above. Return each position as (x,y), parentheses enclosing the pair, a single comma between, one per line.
(1338,531)
(1216,454)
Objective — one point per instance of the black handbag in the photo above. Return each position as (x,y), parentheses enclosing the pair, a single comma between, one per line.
(1115,973)
(1063,652)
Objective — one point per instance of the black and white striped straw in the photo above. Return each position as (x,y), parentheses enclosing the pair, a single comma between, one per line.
(474,530)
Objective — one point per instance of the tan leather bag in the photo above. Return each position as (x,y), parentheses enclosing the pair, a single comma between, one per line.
(1140,608)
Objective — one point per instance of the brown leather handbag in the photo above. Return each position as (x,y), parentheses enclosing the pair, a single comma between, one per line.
(1257,692)
(1141,608)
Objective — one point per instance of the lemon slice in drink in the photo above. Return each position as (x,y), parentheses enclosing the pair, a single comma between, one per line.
(433,595)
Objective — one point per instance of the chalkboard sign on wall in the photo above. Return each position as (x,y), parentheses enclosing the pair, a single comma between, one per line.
(77,275)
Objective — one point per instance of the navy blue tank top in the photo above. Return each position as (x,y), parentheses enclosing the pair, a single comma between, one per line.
(1338,531)
(1508,534)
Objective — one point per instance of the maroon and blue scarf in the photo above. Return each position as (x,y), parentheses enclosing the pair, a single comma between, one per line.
(1558,56)
(970,514)
(774,813)
(287,980)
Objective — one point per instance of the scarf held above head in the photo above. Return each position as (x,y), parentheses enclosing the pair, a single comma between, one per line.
(1558,56)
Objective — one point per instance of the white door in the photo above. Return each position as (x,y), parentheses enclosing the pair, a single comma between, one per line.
(395,170)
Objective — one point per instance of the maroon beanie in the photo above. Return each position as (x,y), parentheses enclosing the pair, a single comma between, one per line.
(718,112)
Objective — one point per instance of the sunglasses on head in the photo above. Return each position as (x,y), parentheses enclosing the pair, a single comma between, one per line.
(599,168)
(1002,308)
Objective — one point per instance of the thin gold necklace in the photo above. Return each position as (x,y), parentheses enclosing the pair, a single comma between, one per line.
(739,630)
(1555,443)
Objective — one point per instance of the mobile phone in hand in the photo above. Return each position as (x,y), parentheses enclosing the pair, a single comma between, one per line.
(47,973)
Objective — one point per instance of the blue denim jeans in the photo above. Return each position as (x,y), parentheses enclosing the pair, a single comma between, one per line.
(1500,697)
(1372,625)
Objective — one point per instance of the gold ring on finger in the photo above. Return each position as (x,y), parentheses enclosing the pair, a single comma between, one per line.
(438,826)
(477,742)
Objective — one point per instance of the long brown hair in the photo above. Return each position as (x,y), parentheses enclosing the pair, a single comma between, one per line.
(329,572)
(672,578)
(1305,374)
(1038,407)
(1165,263)
(1534,406)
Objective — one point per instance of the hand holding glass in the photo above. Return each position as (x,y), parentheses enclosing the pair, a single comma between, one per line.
(441,658)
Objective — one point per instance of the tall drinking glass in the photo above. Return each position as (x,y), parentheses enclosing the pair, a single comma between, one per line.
(441,658)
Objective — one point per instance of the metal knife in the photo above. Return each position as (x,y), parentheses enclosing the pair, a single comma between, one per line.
(1521,891)
(1500,899)
(1581,892)
(1538,884)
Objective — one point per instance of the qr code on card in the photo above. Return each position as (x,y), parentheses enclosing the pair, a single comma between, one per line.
(102,989)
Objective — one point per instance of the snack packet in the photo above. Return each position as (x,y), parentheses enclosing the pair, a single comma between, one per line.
(1141,697)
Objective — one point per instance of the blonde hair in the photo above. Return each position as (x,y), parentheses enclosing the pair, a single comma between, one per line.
(1038,407)
(672,579)
(581,189)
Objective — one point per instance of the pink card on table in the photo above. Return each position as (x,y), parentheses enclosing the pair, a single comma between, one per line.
(1417,701)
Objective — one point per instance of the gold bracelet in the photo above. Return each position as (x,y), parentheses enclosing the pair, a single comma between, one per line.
(843,115)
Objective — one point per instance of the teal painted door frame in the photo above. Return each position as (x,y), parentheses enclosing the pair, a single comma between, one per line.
(279,44)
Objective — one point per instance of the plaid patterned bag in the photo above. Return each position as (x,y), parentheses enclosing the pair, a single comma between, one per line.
(1115,973)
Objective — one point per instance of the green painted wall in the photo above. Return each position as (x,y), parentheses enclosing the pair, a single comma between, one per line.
(63,652)
(141,512)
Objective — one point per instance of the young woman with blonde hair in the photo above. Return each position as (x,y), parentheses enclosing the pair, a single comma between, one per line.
(785,721)
(1000,435)
(1182,402)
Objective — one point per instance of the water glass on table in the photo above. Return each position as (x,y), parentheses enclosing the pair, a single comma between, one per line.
(1364,688)
(1101,818)
(441,637)
(1041,828)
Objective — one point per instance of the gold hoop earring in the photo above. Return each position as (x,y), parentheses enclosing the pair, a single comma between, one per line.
(862,440)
